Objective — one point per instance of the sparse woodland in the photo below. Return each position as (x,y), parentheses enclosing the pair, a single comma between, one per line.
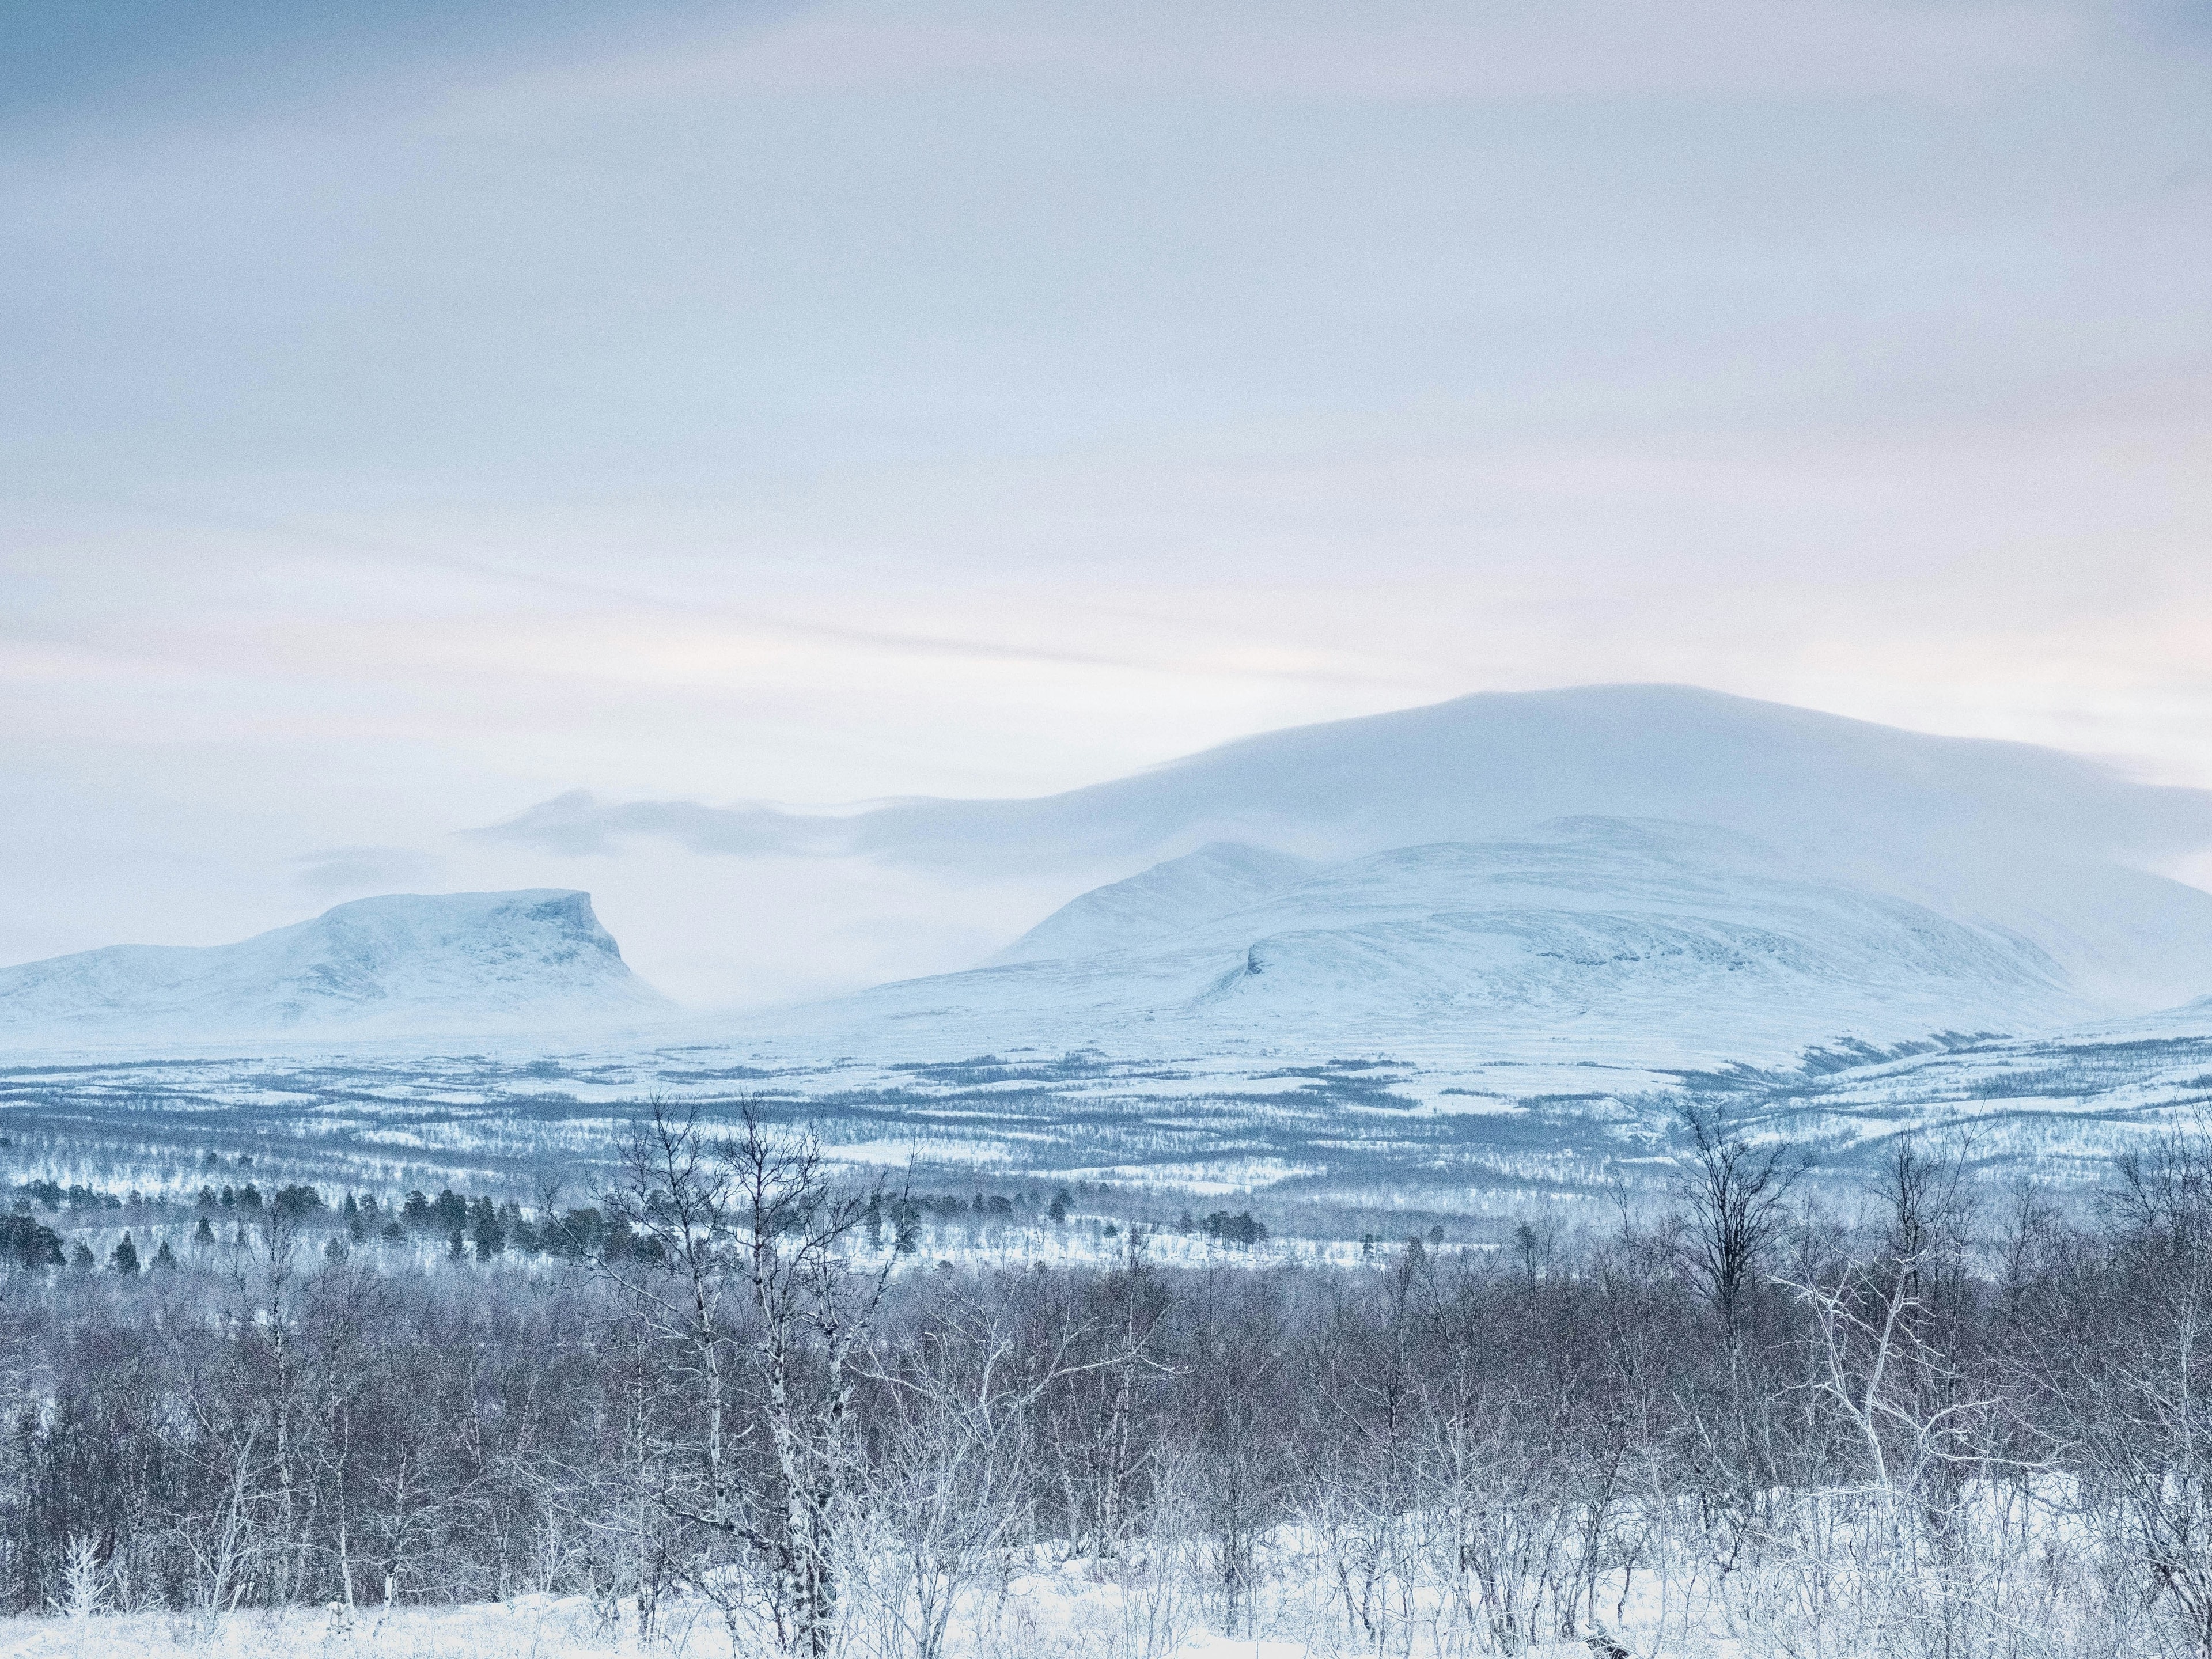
(1955,1421)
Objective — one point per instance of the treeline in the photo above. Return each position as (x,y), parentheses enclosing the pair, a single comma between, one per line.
(1961,1423)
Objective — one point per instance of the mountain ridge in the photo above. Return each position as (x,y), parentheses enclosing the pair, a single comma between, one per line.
(1630,939)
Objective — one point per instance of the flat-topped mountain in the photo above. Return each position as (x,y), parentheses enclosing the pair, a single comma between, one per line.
(400,963)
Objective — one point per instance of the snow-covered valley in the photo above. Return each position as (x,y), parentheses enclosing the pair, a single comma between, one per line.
(1323,1145)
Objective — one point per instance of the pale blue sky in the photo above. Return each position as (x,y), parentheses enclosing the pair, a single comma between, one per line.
(416,411)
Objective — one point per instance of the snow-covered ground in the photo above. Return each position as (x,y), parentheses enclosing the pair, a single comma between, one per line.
(1416,1127)
(1061,1626)
(1819,1588)
(1047,1609)
(527,1628)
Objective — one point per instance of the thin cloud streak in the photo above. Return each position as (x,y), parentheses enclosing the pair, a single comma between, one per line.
(286,537)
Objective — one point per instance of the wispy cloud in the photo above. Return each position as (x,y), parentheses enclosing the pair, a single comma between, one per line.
(366,870)
(578,824)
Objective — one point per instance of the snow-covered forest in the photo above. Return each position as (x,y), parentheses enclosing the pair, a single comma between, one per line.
(733,1403)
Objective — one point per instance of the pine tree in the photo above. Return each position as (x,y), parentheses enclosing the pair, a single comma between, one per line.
(521,1235)
(451,1210)
(124,1258)
(204,1235)
(165,1259)
(29,1244)
(484,1228)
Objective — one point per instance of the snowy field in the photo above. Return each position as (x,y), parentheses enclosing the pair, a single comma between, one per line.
(1079,1612)
(530,1629)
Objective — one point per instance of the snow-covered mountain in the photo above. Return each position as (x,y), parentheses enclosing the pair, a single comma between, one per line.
(1646,876)
(402,963)
(1620,941)
(2060,849)
(1653,875)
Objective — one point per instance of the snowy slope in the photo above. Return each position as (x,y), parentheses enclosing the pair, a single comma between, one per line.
(401,963)
(1168,899)
(1633,941)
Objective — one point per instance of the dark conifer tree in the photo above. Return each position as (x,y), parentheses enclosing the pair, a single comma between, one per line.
(484,1228)
(451,1211)
(29,1244)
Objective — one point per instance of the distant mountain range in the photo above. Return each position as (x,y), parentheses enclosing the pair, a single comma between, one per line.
(1639,875)
(2059,849)
(403,963)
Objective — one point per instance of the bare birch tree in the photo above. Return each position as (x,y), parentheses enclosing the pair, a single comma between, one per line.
(747,1264)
